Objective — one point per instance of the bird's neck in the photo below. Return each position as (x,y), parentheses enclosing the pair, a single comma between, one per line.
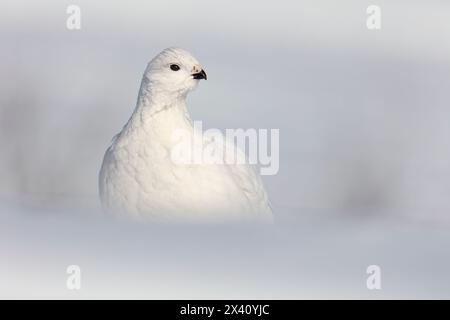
(159,113)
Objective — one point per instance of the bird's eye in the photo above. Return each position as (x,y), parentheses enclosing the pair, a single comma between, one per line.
(174,67)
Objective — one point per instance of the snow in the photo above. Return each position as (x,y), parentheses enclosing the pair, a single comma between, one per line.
(364,160)
(295,258)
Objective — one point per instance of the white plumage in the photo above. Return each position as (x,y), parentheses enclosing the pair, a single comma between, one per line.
(138,176)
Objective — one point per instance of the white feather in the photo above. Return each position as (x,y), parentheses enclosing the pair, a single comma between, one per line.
(138,177)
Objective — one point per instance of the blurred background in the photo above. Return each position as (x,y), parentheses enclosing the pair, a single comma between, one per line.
(364,144)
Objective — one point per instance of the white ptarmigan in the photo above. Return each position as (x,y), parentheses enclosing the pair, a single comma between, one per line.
(139,178)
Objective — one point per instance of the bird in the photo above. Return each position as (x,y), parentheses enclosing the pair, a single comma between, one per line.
(139,178)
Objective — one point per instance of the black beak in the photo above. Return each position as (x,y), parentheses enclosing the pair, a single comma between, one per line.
(200,75)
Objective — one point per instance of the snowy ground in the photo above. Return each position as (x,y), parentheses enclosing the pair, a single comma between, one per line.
(295,258)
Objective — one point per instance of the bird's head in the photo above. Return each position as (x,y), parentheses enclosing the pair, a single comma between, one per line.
(174,72)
